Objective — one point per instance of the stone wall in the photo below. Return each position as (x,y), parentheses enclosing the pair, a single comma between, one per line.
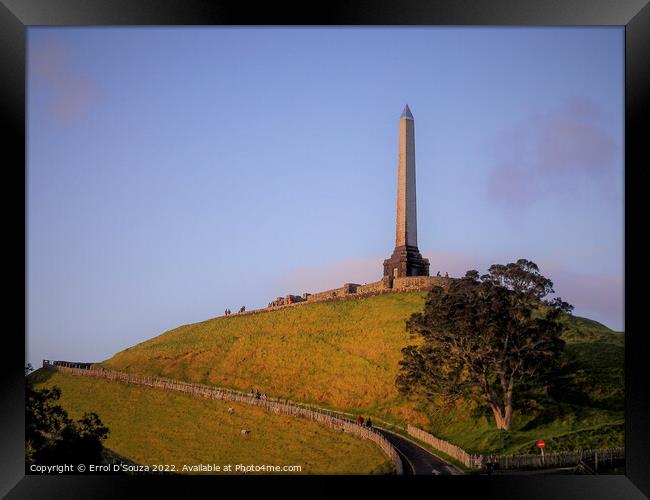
(419,283)
(387,284)
(351,287)
(327,294)
(352,290)
(377,286)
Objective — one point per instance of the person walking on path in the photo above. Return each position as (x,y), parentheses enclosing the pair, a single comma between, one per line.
(359,420)
(446,275)
(368,423)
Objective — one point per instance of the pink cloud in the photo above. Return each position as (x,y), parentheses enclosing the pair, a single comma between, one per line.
(598,296)
(583,108)
(566,144)
(513,184)
(48,59)
(318,278)
(554,153)
(75,97)
(367,270)
(70,94)
(456,264)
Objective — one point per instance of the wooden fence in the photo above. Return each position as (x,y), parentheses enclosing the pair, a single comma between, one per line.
(471,461)
(563,459)
(338,420)
(510,462)
(276,405)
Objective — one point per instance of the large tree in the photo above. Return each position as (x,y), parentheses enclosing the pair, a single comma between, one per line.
(482,336)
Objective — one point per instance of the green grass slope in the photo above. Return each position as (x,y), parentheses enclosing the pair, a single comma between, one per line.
(345,355)
(342,353)
(153,426)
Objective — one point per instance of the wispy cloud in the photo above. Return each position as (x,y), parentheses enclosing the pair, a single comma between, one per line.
(595,295)
(568,145)
(367,270)
(70,94)
(599,296)
(553,152)
(333,275)
(510,184)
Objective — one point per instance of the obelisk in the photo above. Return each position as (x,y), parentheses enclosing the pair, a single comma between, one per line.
(406,259)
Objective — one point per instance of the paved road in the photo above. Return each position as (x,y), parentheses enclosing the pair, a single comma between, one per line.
(417,460)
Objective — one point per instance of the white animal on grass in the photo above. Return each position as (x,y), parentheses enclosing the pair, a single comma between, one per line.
(231,410)
(245,432)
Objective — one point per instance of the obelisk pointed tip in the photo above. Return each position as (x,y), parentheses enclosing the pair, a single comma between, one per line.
(407,113)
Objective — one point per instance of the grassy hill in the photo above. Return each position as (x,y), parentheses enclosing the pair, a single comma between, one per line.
(153,426)
(345,355)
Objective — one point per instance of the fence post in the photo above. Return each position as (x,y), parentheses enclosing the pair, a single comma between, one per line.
(321,415)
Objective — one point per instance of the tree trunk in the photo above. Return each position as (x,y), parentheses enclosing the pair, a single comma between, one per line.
(502,416)
(503,419)
(507,418)
(508,404)
(499,417)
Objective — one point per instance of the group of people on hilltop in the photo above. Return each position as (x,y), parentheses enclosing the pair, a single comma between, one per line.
(227,312)
(446,274)
(361,423)
(256,394)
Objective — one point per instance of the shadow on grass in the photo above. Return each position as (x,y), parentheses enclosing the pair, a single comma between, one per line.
(41,375)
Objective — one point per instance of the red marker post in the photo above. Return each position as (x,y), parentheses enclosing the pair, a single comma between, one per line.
(540,445)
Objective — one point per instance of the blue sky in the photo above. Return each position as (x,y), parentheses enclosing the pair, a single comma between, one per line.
(174,172)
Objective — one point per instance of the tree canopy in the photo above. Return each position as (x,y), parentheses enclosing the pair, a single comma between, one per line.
(51,437)
(484,335)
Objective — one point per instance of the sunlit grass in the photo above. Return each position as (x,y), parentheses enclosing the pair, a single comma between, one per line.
(153,426)
(341,353)
(345,355)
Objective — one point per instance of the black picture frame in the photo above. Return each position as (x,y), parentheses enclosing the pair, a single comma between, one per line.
(634,15)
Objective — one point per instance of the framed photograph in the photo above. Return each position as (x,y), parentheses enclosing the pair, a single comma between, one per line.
(360,244)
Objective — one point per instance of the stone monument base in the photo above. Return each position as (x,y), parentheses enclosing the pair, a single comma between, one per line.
(406,261)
